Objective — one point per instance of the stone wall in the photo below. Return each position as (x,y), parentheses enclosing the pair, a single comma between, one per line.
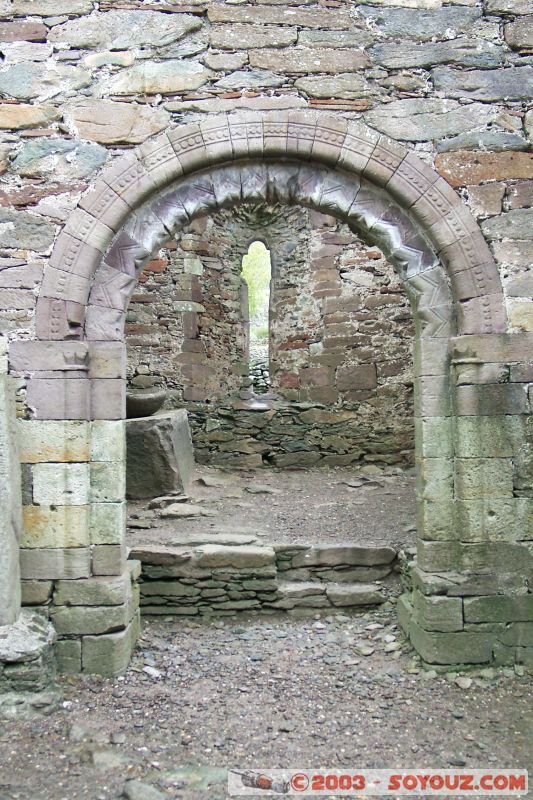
(450,80)
(340,342)
(78,205)
(220,580)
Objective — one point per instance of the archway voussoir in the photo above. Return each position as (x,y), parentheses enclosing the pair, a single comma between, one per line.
(386,157)
(301,132)
(86,228)
(358,146)
(275,133)
(228,184)
(475,282)
(484,314)
(250,126)
(217,139)
(72,255)
(435,202)
(188,144)
(329,140)
(59,319)
(129,179)
(103,203)
(112,288)
(160,161)
(411,180)
(65,285)
(104,324)
(457,224)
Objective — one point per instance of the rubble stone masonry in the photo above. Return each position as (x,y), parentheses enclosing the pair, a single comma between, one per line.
(403,124)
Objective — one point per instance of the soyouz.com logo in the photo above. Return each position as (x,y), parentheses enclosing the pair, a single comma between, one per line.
(396,783)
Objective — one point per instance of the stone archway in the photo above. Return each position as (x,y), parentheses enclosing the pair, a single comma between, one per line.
(469,425)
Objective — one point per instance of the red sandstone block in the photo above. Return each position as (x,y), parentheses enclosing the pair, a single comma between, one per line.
(50,398)
(362,376)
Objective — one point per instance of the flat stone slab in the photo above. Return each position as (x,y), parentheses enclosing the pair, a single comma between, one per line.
(159,454)
(353,594)
(159,555)
(243,557)
(335,555)
(290,589)
(194,539)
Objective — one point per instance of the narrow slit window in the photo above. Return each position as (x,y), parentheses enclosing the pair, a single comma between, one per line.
(257,274)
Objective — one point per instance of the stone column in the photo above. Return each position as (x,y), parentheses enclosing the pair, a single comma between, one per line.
(10,505)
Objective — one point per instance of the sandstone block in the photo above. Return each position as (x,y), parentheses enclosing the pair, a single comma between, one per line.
(68,656)
(159,454)
(499,609)
(10,503)
(61,440)
(55,526)
(124,30)
(438,613)
(110,123)
(107,523)
(238,36)
(452,648)
(103,591)
(21,115)
(109,654)
(462,168)
(335,555)
(22,32)
(52,564)
(61,484)
(107,481)
(477,477)
(243,557)
(60,399)
(77,620)
(150,77)
(488,85)
(108,559)
(308,60)
(357,594)
(36,593)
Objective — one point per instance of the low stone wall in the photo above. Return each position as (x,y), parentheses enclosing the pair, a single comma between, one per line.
(266,433)
(220,580)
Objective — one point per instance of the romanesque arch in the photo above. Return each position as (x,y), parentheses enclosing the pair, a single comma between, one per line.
(474,519)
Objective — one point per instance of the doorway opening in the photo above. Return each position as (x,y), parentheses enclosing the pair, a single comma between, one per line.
(257,277)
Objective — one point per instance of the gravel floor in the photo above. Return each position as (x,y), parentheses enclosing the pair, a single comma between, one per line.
(312,506)
(264,692)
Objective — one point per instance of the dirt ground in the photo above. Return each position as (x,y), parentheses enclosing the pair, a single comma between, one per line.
(314,506)
(263,692)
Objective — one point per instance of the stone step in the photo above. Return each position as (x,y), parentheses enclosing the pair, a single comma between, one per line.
(354,594)
(314,594)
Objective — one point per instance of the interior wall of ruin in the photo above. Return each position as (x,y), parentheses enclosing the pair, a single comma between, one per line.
(341,333)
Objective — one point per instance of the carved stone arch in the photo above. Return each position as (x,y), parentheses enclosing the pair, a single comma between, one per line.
(471,392)
(312,141)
